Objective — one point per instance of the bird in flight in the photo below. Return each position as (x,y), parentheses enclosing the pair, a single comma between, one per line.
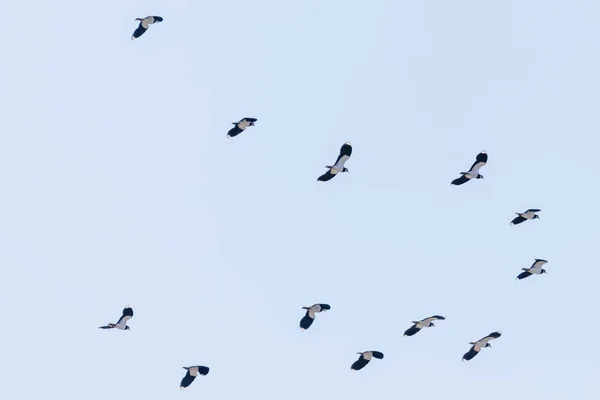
(365,358)
(338,167)
(536,268)
(309,317)
(424,323)
(122,323)
(192,373)
(522,217)
(144,24)
(240,126)
(473,173)
(480,344)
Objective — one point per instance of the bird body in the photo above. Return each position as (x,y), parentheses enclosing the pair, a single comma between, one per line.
(424,323)
(309,317)
(339,165)
(473,172)
(192,373)
(122,322)
(144,24)
(535,269)
(527,215)
(480,344)
(365,358)
(240,126)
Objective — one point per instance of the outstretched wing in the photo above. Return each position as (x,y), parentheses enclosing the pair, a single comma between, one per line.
(187,380)
(345,153)
(377,354)
(127,314)
(139,31)
(157,19)
(523,275)
(359,364)
(470,354)
(537,265)
(306,321)
(518,220)
(233,132)
(327,176)
(480,161)
(460,181)
(412,330)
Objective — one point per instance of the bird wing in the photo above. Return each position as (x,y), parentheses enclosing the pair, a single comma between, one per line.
(139,31)
(187,380)
(198,370)
(234,131)
(327,176)
(470,354)
(341,160)
(377,354)
(359,364)
(480,161)
(412,330)
(324,306)
(433,318)
(523,275)
(345,153)
(518,220)
(494,335)
(127,314)
(460,181)
(251,119)
(306,322)
(534,210)
(157,19)
(537,265)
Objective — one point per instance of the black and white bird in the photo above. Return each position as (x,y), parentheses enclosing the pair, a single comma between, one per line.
(480,344)
(309,317)
(473,173)
(122,323)
(144,24)
(240,126)
(424,323)
(536,268)
(522,217)
(365,358)
(192,373)
(338,167)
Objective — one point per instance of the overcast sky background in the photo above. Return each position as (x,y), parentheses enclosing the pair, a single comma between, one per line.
(119,187)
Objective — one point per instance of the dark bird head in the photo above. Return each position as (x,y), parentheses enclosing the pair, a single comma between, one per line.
(488,345)
(432,324)
(251,124)
(479,176)
(127,328)
(544,271)
(345,170)
(536,216)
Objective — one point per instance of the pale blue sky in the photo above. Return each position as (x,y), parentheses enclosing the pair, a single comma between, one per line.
(119,188)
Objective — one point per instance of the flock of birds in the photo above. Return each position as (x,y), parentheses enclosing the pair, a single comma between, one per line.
(332,170)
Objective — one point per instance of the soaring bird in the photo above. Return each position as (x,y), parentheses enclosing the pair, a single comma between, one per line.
(522,217)
(192,373)
(309,317)
(365,358)
(345,153)
(473,173)
(536,268)
(480,344)
(122,323)
(240,126)
(144,24)
(424,323)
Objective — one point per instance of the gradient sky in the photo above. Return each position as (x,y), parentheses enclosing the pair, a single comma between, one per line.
(119,187)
